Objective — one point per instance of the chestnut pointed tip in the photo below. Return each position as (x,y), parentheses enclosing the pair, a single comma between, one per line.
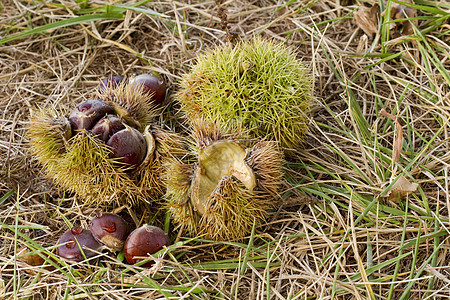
(71,241)
(110,229)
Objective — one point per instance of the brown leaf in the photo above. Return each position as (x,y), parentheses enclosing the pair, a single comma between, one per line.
(32,260)
(398,139)
(367,19)
(401,187)
(400,11)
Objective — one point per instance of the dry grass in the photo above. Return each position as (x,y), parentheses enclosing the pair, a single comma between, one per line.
(334,235)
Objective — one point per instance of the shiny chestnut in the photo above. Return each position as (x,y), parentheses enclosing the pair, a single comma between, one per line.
(110,229)
(128,146)
(150,84)
(107,126)
(71,242)
(109,83)
(87,113)
(144,241)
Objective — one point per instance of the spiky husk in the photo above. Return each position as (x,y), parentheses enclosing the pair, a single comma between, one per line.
(82,164)
(48,138)
(177,180)
(258,85)
(168,144)
(232,208)
(86,169)
(131,103)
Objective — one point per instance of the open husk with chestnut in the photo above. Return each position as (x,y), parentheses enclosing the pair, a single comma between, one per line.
(222,186)
(104,150)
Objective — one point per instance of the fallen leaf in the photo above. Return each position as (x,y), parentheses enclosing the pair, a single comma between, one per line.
(398,12)
(401,188)
(367,19)
(32,260)
(398,139)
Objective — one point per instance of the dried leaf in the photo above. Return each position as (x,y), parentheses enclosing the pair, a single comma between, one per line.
(363,44)
(32,260)
(401,187)
(367,19)
(398,139)
(400,11)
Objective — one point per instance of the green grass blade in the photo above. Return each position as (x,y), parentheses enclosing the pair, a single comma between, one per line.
(379,266)
(419,272)
(6,196)
(429,9)
(436,244)
(397,265)
(63,23)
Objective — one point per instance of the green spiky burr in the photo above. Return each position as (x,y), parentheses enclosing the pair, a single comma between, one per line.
(221,186)
(256,85)
(82,163)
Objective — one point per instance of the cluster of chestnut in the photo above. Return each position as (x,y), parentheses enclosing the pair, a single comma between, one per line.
(111,231)
(100,118)
(108,121)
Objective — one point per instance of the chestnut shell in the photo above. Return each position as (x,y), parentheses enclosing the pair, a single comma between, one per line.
(70,251)
(143,241)
(107,126)
(110,229)
(151,84)
(87,113)
(129,146)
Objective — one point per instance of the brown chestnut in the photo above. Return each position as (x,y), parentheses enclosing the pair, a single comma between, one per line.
(144,241)
(107,126)
(88,112)
(150,84)
(70,250)
(109,83)
(129,146)
(110,229)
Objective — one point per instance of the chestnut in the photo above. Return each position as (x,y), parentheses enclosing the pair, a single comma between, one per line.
(129,146)
(70,250)
(109,83)
(107,126)
(110,229)
(88,112)
(150,84)
(144,241)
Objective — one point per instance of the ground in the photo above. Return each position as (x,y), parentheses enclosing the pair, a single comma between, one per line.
(365,206)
